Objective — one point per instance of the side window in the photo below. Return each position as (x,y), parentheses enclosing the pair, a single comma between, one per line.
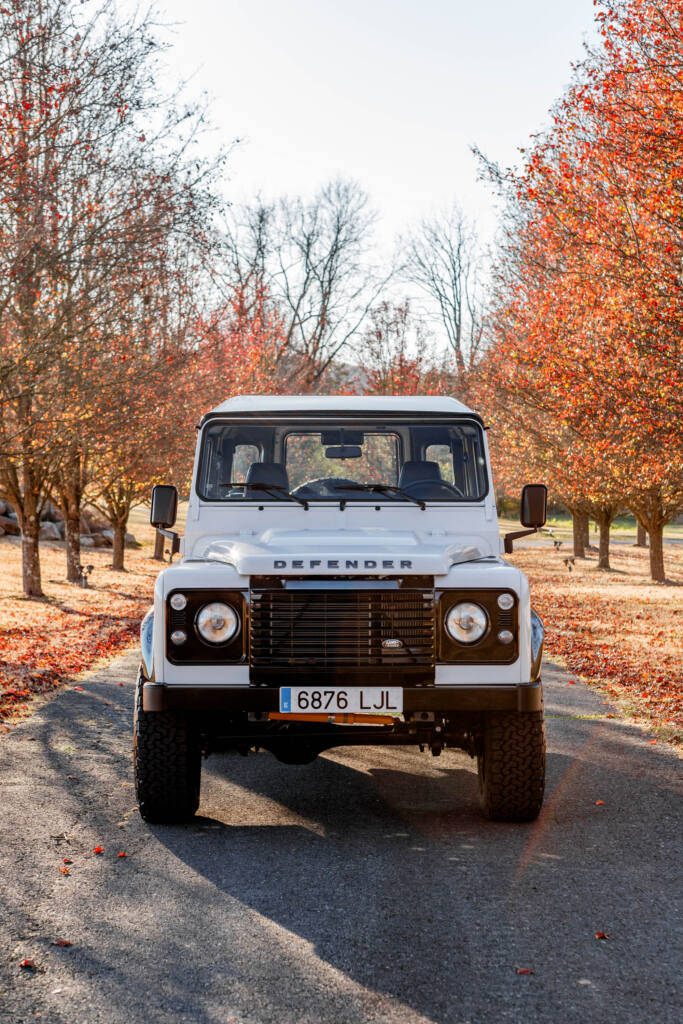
(442,454)
(242,459)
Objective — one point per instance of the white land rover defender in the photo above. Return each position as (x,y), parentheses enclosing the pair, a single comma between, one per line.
(341,582)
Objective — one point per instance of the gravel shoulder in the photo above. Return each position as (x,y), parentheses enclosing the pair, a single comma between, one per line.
(365,887)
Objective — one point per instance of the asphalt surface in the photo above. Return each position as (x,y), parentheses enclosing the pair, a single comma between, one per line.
(364,887)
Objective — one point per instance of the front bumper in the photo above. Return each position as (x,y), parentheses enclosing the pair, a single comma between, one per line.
(163,697)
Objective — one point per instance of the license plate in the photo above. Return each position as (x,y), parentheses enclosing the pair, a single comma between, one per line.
(367,700)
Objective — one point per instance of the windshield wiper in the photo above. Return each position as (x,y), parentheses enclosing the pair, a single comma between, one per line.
(270,489)
(385,489)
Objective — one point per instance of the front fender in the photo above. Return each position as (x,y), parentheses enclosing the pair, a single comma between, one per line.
(147,645)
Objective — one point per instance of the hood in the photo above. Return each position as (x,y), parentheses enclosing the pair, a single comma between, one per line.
(331,552)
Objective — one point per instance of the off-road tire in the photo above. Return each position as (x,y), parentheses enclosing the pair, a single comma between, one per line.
(167,763)
(511,762)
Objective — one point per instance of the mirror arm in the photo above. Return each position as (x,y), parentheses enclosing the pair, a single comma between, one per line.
(509,537)
(173,537)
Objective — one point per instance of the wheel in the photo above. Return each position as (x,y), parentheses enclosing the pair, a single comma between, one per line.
(167,764)
(511,763)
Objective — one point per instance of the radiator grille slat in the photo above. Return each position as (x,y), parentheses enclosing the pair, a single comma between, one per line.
(342,628)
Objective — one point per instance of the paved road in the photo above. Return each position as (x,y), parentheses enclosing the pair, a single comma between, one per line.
(362,888)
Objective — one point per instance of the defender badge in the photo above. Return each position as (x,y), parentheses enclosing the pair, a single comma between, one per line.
(392,644)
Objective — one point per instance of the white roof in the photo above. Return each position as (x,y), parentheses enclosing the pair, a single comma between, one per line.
(341,403)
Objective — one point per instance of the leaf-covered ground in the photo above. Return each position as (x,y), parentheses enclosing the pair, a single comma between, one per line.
(42,643)
(615,629)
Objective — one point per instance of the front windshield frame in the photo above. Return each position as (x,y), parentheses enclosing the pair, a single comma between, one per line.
(307,421)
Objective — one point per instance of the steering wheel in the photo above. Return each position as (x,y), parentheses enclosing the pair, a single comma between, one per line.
(432,483)
(323,486)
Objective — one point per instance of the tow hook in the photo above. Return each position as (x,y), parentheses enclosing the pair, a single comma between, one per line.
(430,735)
(437,741)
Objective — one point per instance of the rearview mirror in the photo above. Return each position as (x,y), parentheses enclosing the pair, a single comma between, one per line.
(344,451)
(342,436)
(534,502)
(164,506)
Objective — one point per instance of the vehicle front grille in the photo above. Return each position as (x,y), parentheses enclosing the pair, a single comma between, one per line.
(337,628)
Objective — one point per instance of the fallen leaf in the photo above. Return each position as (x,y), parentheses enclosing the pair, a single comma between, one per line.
(78,687)
(29,965)
(61,942)
(601,935)
(653,741)
(524,970)
(98,849)
(572,682)
(65,871)
(599,803)
(65,860)
(120,684)
(122,854)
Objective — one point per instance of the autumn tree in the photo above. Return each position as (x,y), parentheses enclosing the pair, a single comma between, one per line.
(94,167)
(587,318)
(396,354)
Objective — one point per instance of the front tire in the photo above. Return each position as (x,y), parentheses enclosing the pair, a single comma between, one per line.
(511,763)
(167,763)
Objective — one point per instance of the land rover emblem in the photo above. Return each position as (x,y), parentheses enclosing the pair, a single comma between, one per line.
(392,644)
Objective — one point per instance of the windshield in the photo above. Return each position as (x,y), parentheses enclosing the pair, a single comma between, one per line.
(403,460)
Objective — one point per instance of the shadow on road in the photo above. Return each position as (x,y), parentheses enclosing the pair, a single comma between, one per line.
(364,887)
(398,882)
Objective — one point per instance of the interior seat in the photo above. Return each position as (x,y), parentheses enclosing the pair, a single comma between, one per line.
(267,474)
(428,474)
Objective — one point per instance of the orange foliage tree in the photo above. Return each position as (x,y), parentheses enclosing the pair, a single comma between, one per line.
(396,356)
(587,318)
(94,181)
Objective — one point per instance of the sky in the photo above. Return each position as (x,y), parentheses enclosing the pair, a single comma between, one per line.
(392,93)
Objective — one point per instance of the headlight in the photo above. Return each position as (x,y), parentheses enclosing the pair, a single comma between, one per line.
(217,622)
(467,622)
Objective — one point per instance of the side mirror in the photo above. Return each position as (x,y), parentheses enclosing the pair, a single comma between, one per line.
(534,505)
(164,506)
(532,513)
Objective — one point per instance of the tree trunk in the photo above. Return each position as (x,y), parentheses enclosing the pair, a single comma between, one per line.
(119,543)
(159,546)
(69,488)
(30,555)
(641,536)
(586,532)
(72,537)
(29,521)
(657,553)
(604,523)
(580,525)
